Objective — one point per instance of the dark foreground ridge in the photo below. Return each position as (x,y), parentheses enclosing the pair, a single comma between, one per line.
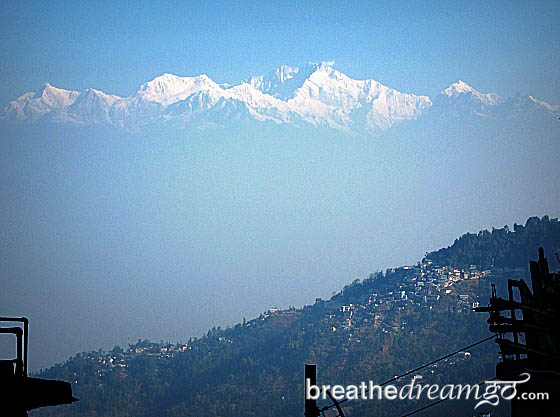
(375,329)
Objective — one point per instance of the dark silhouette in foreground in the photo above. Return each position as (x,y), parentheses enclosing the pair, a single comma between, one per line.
(534,343)
(20,393)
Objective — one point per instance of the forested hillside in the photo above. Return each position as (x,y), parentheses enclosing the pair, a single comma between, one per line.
(502,247)
(373,329)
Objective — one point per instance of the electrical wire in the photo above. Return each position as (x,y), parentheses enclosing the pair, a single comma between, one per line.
(439,401)
(419,368)
(425,407)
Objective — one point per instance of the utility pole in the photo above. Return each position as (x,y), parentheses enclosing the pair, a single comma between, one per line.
(311,409)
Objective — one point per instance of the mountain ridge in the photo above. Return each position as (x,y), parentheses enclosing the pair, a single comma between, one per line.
(313,95)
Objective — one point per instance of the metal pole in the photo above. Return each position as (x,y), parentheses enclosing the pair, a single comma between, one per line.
(25,342)
(311,409)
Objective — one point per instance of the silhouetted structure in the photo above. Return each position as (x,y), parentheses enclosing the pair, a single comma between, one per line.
(534,346)
(311,409)
(20,393)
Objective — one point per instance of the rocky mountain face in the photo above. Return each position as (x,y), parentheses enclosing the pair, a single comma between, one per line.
(314,95)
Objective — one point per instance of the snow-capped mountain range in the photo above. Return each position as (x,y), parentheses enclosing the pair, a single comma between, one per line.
(315,95)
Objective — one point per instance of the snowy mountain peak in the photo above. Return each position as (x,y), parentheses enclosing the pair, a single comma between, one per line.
(315,94)
(92,95)
(322,66)
(169,88)
(461,88)
(284,81)
(34,105)
(44,87)
(458,88)
(54,96)
(280,83)
(166,82)
(285,73)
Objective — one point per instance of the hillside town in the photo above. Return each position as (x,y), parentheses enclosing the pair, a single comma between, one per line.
(377,302)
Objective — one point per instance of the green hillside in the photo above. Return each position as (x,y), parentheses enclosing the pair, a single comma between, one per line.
(371,330)
(502,247)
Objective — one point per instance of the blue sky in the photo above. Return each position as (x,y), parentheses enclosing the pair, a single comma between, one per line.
(420,47)
(98,224)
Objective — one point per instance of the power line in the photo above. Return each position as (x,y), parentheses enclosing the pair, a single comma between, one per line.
(439,359)
(419,368)
(427,406)
(438,401)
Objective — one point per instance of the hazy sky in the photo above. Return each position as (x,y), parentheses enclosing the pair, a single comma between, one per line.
(420,47)
(106,237)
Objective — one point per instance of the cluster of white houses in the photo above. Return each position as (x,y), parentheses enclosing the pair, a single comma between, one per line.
(423,284)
